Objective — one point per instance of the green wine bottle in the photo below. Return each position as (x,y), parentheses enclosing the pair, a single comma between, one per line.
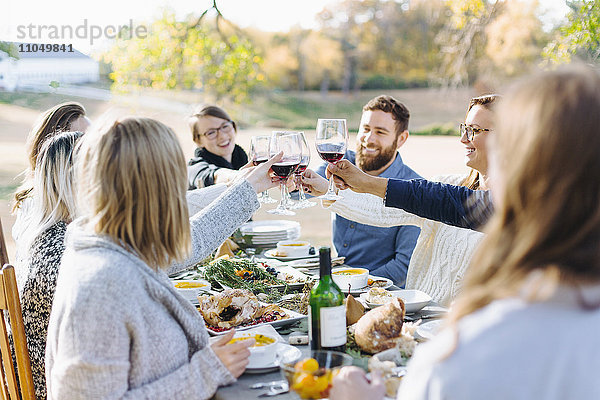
(327,316)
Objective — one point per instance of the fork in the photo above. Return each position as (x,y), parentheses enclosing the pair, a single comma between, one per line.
(275,390)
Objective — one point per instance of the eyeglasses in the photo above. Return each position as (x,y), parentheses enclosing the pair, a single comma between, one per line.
(226,127)
(471,132)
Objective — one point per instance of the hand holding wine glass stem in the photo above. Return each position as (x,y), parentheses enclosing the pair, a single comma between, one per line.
(259,178)
(348,176)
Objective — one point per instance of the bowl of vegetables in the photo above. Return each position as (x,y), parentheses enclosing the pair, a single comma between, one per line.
(311,377)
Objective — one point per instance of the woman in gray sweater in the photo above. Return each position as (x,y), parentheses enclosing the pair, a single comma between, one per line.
(118,328)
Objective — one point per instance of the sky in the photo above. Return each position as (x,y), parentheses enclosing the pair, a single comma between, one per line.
(268,15)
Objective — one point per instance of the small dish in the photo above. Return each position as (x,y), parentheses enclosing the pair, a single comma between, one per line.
(263,351)
(293,248)
(273,254)
(429,329)
(414,300)
(349,278)
(191,287)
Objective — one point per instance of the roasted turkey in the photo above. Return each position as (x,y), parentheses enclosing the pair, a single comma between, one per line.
(230,308)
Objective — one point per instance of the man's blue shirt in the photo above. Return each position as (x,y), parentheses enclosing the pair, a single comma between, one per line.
(384,251)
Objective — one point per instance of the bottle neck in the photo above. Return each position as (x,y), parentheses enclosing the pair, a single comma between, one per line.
(325,264)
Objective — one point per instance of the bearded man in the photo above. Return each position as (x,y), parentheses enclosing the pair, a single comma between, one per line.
(385,252)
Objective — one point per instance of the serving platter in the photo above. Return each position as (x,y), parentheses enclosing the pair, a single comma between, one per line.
(293,317)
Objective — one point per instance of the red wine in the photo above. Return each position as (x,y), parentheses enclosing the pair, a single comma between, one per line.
(331,156)
(259,161)
(284,169)
(301,168)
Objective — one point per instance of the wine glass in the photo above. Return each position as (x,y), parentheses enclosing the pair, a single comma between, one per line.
(331,141)
(302,201)
(290,144)
(259,153)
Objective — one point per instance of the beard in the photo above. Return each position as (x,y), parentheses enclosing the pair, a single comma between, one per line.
(373,163)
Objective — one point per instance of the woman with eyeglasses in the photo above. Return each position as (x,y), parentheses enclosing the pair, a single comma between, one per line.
(217,157)
(442,253)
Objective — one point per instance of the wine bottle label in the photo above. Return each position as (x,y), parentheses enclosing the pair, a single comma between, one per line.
(333,326)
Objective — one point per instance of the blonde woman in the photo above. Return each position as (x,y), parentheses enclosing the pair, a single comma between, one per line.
(442,252)
(53,208)
(118,328)
(526,324)
(63,117)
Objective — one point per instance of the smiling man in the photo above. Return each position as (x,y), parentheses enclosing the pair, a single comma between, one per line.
(384,251)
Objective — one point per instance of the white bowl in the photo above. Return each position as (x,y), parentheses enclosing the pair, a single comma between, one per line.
(260,355)
(293,248)
(351,279)
(190,288)
(414,300)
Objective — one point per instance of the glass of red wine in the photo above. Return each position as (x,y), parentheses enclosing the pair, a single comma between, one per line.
(302,200)
(331,141)
(291,145)
(259,153)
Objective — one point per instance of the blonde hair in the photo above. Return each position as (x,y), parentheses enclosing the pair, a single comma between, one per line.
(548,221)
(55,120)
(132,181)
(53,179)
(487,101)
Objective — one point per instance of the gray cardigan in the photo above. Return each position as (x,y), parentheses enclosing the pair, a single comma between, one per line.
(119,330)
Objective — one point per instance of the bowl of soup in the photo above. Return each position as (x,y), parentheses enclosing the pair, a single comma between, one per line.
(262,352)
(190,288)
(351,279)
(293,248)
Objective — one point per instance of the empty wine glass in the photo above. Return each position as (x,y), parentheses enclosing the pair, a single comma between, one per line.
(259,153)
(331,142)
(290,144)
(302,201)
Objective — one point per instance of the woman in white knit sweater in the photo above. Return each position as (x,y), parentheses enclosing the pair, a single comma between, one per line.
(442,253)
(118,328)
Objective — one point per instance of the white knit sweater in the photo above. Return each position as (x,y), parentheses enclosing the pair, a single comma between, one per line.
(442,252)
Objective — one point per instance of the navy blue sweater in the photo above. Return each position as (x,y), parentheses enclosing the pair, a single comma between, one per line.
(449,204)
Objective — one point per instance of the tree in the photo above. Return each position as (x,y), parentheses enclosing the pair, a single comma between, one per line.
(188,54)
(579,37)
(10,49)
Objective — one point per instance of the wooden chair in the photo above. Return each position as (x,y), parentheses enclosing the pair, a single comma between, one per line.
(9,303)
(3,250)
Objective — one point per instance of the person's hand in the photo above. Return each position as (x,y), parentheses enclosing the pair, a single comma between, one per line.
(352,383)
(314,183)
(259,177)
(234,356)
(348,176)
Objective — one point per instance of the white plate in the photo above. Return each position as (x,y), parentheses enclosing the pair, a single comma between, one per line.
(429,329)
(274,366)
(272,254)
(414,300)
(294,316)
(388,283)
(270,226)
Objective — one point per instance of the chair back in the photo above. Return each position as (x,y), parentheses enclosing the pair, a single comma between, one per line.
(11,306)
(3,250)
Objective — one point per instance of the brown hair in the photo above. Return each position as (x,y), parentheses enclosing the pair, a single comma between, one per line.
(132,185)
(203,111)
(548,219)
(55,120)
(388,104)
(487,101)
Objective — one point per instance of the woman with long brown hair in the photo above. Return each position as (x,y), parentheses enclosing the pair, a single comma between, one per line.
(526,323)
(64,117)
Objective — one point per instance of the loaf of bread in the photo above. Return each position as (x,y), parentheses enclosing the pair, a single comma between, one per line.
(380,328)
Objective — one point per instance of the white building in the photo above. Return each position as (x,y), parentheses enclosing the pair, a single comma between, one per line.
(40,68)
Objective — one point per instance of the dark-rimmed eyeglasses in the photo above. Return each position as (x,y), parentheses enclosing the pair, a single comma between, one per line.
(470,132)
(226,127)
